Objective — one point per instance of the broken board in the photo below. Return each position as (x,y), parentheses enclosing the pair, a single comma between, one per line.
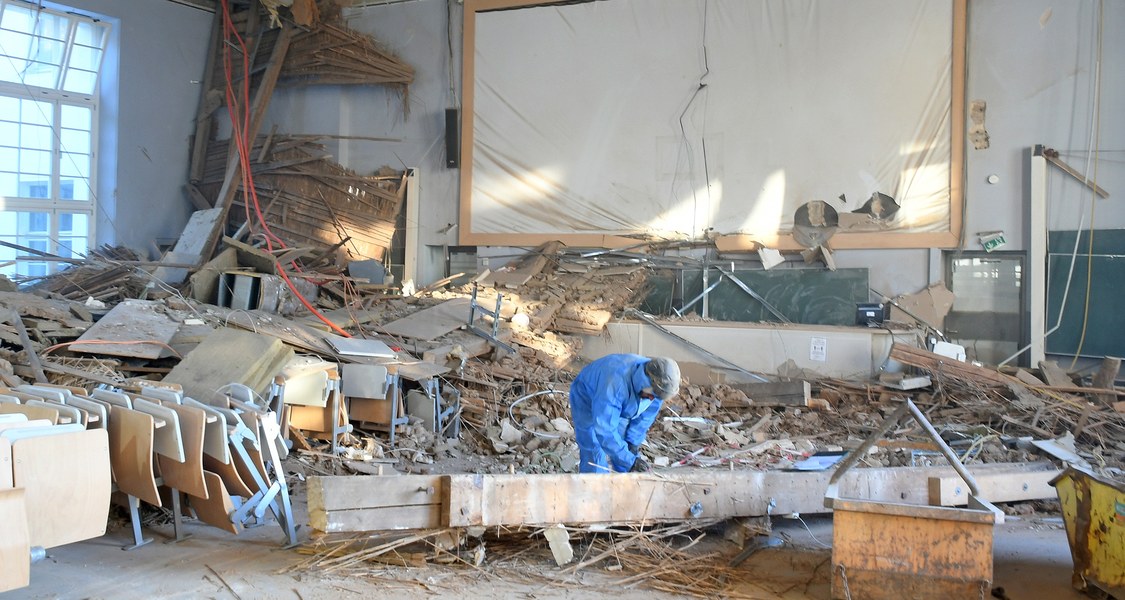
(190,246)
(131,321)
(229,356)
(431,323)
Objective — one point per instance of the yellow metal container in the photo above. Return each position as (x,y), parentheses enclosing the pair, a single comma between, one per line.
(1094,511)
(888,551)
(892,550)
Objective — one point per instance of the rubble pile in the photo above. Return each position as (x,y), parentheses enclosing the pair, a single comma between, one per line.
(513,409)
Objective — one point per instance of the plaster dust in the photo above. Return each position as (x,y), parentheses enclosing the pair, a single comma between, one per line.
(1031,561)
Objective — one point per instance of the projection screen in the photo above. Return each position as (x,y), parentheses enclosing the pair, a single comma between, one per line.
(682,119)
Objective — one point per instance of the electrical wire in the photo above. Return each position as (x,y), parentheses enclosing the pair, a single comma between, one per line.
(1094,183)
(239,112)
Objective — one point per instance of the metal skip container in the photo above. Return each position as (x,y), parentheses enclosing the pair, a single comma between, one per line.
(892,550)
(1093,509)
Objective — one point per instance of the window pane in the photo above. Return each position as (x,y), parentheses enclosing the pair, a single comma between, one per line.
(9,159)
(74,188)
(89,34)
(76,117)
(46,51)
(52,26)
(10,69)
(36,113)
(73,164)
(76,224)
(35,161)
(36,137)
(16,45)
(80,82)
(34,187)
(9,186)
(33,222)
(82,57)
(9,133)
(73,141)
(41,75)
(18,18)
(9,106)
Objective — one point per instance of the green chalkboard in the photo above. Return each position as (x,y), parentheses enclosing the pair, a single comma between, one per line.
(1105,326)
(808,296)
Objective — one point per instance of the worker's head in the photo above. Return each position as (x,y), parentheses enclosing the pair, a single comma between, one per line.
(664,374)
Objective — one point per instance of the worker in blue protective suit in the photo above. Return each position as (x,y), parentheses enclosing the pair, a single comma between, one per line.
(613,402)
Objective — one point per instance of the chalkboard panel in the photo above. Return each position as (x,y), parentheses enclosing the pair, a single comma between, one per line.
(807,296)
(1105,326)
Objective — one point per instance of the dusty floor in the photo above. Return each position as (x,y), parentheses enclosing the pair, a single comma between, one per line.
(1031,560)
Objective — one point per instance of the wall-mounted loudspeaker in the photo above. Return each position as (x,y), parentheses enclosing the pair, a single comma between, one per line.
(452,138)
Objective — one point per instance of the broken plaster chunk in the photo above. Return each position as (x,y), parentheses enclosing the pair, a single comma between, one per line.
(559,540)
(661,461)
(562,426)
(509,434)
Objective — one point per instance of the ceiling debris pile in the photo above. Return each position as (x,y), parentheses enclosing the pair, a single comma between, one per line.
(309,200)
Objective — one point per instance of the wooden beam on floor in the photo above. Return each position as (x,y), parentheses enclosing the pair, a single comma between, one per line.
(368,503)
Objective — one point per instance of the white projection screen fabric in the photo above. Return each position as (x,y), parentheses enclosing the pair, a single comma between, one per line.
(679,119)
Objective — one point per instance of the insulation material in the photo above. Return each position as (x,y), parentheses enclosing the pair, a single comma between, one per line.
(673,116)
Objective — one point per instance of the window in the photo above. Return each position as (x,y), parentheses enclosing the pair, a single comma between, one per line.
(49,66)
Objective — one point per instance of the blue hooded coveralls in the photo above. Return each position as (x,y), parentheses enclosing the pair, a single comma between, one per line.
(608,412)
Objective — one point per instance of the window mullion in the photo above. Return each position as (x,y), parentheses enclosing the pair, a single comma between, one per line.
(56,140)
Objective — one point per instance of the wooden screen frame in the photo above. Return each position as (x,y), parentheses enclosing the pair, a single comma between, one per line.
(725,243)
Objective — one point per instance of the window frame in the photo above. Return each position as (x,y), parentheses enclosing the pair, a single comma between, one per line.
(58,97)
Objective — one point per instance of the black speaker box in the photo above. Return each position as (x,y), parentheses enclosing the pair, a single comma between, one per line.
(452,138)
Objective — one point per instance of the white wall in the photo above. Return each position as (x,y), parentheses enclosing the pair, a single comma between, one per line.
(150,92)
(1033,70)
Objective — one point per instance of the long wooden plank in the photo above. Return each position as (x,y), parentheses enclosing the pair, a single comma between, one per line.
(668,496)
(943,365)
(15,541)
(65,475)
(187,476)
(130,453)
(362,503)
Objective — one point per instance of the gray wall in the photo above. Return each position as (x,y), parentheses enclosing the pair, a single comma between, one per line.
(1033,68)
(1031,60)
(416,32)
(150,92)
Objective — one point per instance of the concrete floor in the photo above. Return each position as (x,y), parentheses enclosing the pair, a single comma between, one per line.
(1031,561)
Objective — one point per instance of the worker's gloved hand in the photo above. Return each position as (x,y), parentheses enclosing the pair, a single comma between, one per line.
(640,465)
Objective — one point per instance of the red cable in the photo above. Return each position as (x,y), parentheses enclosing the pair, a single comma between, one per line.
(240,135)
